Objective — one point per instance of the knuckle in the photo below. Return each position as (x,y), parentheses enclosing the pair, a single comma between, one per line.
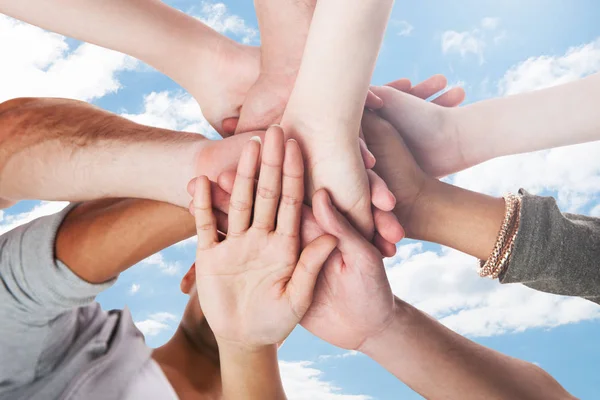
(205,226)
(239,205)
(287,235)
(290,200)
(266,193)
(262,225)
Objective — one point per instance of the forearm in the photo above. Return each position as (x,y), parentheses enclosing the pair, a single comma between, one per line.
(250,374)
(342,37)
(451,216)
(440,364)
(145,29)
(100,239)
(283,28)
(56,149)
(557,116)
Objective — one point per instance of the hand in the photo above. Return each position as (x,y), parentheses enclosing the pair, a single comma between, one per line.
(395,163)
(388,230)
(266,100)
(253,287)
(353,300)
(222,90)
(428,128)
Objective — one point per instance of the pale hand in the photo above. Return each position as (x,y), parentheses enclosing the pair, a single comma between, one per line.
(222,89)
(428,128)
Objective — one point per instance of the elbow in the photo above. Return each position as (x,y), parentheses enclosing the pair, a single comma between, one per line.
(11,112)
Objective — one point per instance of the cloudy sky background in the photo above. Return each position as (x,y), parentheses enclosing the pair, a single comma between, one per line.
(490,48)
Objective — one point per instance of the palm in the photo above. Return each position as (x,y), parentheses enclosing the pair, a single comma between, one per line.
(253,265)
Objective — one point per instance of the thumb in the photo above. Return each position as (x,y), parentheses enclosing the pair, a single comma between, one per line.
(334,223)
(304,278)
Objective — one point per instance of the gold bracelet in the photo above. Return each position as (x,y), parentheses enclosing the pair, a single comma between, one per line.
(507,250)
(506,236)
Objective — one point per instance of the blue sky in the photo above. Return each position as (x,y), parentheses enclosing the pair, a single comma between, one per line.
(491,48)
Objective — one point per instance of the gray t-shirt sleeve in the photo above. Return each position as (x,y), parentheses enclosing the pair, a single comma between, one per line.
(36,292)
(555,252)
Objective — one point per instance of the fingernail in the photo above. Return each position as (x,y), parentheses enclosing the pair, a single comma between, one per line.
(275,125)
(371,155)
(192,187)
(256,139)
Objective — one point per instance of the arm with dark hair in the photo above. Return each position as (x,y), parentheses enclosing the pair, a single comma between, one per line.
(59,149)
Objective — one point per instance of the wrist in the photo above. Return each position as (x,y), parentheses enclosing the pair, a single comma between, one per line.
(416,215)
(239,351)
(455,217)
(378,345)
(471,140)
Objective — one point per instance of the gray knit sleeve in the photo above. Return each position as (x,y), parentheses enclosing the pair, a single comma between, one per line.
(555,252)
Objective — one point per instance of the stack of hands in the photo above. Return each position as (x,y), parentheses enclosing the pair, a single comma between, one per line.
(296,235)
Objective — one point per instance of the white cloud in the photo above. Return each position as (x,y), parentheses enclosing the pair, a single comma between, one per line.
(545,71)
(463,43)
(595,212)
(218,17)
(175,111)
(572,172)
(346,354)
(156,323)
(134,289)
(490,23)
(302,381)
(10,222)
(164,266)
(403,28)
(474,41)
(41,64)
(151,328)
(403,252)
(447,286)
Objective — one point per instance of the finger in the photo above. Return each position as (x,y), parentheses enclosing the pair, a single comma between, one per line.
(219,215)
(381,197)
(388,226)
(292,191)
(229,125)
(333,223)
(220,197)
(402,85)
(367,156)
(240,205)
(226,180)
(373,101)
(451,98)
(302,283)
(269,182)
(206,226)
(429,86)
(386,248)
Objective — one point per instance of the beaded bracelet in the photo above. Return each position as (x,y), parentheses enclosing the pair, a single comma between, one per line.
(500,255)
